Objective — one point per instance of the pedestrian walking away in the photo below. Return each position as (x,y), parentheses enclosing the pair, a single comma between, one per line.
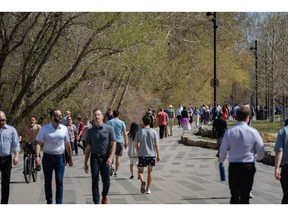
(119,129)
(178,114)
(8,142)
(55,139)
(100,148)
(148,153)
(162,122)
(245,146)
(132,147)
(281,161)
(171,117)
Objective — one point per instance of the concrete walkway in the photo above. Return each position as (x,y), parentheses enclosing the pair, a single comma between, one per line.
(185,175)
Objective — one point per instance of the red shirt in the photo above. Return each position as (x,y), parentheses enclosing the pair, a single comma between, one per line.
(162,118)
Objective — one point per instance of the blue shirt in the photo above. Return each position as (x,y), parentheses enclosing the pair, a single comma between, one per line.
(244,144)
(100,138)
(8,140)
(282,144)
(118,127)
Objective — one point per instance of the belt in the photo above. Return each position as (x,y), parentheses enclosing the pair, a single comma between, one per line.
(4,157)
(53,155)
(100,155)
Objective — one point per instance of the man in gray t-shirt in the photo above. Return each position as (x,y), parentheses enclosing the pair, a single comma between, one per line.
(148,149)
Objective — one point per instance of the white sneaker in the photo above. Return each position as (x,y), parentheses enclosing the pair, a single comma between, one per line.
(148,191)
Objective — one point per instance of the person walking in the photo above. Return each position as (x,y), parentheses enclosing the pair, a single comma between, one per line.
(132,149)
(185,120)
(281,161)
(148,153)
(55,139)
(120,135)
(80,127)
(171,117)
(245,146)
(162,122)
(8,142)
(178,114)
(72,132)
(100,147)
(218,130)
(87,126)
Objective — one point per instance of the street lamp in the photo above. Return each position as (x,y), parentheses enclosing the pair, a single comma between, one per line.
(215,81)
(256,77)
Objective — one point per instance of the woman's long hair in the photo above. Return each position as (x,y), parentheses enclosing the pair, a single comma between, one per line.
(133,129)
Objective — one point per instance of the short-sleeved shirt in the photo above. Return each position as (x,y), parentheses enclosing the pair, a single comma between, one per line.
(282,144)
(170,113)
(118,127)
(162,118)
(53,139)
(8,140)
(147,138)
(72,129)
(100,138)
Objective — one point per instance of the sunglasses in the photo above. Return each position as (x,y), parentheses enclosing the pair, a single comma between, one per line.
(2,120)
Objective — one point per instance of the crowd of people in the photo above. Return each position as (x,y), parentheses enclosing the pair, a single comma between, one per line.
(104,139)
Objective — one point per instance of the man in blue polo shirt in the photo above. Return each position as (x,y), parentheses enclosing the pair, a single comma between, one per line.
(101,146)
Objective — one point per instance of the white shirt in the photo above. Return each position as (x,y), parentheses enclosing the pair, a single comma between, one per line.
(179,110)
(244,144)
(53,139)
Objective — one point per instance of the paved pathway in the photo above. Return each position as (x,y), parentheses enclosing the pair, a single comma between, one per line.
(185,175)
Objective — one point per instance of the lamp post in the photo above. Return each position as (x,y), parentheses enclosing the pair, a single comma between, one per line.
(256,77)
(215,83)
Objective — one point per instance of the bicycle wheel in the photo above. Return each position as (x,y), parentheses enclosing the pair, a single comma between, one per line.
(27,169)
(34,172)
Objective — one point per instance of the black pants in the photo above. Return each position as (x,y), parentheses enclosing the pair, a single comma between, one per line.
(5,168)
(161,131)
(284,183)
(179,120)
(241,176)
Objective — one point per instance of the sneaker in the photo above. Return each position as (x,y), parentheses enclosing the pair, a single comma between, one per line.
(251,195)
(131,177)
(115,174)
(143,184)
(148,191)
(111,170)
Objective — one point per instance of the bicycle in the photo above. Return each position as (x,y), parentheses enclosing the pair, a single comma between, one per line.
(30,168)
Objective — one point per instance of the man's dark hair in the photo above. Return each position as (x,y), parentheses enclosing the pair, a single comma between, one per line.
(52,112)
(146,120)
(97,110)
(242,113)
(116,113)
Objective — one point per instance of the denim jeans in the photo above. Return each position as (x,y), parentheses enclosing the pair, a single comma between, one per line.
(98,164)
(50,163)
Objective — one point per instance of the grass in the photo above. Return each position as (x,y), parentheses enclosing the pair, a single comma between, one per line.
(263,126)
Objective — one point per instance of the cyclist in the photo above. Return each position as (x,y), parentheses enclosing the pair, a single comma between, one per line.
(31,132)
